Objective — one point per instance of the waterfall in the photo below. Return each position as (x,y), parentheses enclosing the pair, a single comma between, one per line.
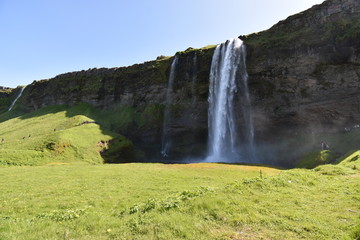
(165,141)
(193,77)
(18,96)
(231,133)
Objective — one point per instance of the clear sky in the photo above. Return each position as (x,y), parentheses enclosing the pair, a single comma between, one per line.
(40,39)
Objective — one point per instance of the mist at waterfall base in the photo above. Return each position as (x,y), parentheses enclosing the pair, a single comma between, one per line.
(230,127)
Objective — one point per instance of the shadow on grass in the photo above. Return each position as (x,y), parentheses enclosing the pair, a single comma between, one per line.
(117,150)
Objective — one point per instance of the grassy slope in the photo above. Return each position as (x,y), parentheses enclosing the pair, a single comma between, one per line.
(341,145)
(56,136)
(156,201)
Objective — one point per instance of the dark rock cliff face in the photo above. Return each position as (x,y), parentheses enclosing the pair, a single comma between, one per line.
(6,96)
(139,92)
(303,77)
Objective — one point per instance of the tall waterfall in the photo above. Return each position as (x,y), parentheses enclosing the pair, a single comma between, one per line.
(231,133)
(18,96)
(165,140)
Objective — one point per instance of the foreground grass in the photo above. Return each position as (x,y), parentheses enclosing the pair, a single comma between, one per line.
(194,201)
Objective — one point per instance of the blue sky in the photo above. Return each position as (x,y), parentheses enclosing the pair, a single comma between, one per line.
(42,38)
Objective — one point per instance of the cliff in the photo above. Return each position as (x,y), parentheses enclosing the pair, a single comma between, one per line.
(303,78)
(6,95)
(136,96)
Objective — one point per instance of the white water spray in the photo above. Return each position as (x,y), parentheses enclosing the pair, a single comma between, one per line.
(165,141)
(193,77)
(231,133)
(18,96)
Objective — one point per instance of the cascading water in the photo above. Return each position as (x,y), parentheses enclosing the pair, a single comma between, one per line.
(18,96)
(165,141)
(193,77)
(231,133)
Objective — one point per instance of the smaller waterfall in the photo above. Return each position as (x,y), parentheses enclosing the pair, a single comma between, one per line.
(193,77)
(165,140)
(18,96)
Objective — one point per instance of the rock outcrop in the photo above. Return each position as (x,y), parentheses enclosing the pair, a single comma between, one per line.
(303,77)
(6,95)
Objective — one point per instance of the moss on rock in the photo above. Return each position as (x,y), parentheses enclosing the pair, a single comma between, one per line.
(315,159)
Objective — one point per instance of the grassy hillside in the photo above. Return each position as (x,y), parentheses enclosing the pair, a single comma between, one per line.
(194,201)
(341,145)
(55,134)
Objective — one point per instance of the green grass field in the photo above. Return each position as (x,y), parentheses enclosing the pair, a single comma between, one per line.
(194,201)
(54,186)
